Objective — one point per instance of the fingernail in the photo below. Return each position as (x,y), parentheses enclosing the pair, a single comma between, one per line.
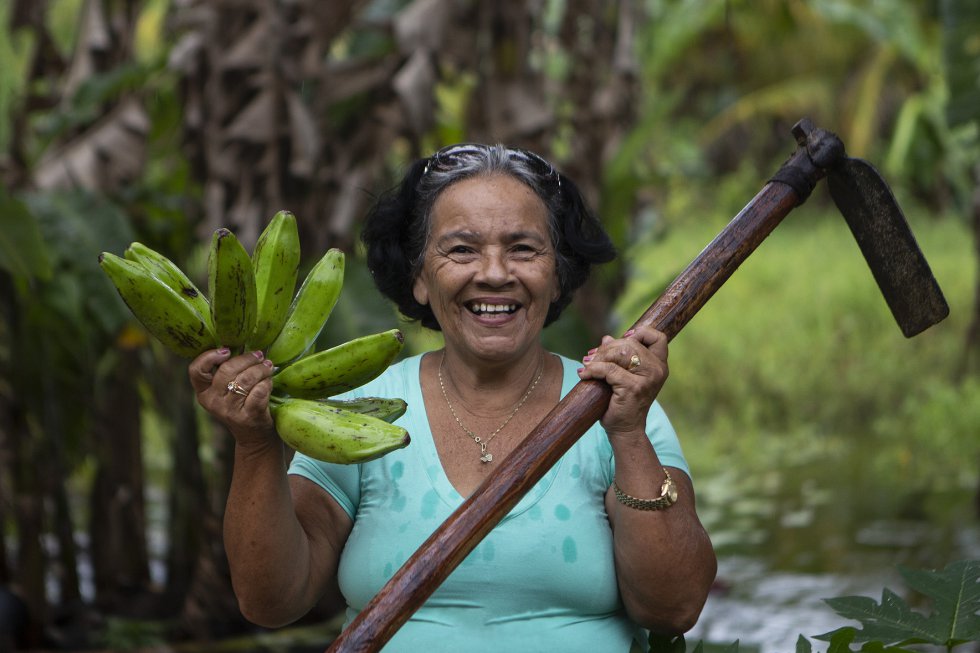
(267,362)
(586,359)
(580,370)
(593,350)
(629,333)
(224,350)
(258,354)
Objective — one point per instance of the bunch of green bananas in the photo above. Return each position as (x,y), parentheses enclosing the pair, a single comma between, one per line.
(251,306)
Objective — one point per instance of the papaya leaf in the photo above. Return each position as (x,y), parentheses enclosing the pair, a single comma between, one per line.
(667,643)
(803,645)
(955,593)
(840,640)
(891,622)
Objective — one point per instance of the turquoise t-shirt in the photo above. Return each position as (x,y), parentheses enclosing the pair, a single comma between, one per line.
(542,580)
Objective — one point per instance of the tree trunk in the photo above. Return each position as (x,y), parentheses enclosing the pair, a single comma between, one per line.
(118,526)
(28,577)
(211,609)
(187,495)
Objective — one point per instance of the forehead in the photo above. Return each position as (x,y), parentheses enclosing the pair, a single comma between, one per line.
(487,203)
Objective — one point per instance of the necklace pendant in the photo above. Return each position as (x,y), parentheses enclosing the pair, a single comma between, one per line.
(487,457)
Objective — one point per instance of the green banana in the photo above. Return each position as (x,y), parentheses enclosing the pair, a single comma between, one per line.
(334,435)
(310,308)
(341,368)
(167,315)
(275,261)
(169,273)
(380,407)
(231,284)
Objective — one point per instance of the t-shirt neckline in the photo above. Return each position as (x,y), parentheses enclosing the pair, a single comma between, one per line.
(432,464)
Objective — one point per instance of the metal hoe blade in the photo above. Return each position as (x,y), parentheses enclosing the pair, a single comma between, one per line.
(885,239)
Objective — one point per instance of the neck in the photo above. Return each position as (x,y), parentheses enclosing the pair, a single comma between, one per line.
(490,386)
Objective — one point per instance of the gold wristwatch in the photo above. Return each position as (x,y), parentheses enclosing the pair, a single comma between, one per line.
(667,498)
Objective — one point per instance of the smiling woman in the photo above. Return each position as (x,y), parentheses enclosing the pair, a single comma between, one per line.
(486,244)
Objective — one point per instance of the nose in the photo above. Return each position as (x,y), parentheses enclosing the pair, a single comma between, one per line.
(494,269)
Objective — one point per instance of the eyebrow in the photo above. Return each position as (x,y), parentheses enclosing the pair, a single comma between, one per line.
(468,236)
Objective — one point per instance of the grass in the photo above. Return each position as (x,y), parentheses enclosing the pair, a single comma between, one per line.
(798,352)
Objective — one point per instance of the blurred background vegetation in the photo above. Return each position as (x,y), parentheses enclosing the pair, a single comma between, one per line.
(822,441)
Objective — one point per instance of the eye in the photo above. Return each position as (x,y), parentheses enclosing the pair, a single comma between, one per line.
(523,251)
(460,253)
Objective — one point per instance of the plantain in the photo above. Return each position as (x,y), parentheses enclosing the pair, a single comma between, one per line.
(332,434)
(388,409)
(275,262)
(231,285)
(341,368)
(310,308)
(170,317)
(169,273)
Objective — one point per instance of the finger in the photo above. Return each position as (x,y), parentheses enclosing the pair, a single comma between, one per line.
(612,372)
(652,339)
(252,375)
(233,367)
(201,370)
(258,394)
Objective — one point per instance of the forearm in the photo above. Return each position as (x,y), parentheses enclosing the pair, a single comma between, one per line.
(664,559)
(268,550)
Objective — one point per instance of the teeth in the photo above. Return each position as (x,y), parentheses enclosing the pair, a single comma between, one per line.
(493,308)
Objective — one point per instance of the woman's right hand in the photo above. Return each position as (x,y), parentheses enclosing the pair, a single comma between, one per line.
(246,416)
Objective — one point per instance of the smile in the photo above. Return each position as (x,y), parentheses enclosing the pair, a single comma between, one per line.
(484,309)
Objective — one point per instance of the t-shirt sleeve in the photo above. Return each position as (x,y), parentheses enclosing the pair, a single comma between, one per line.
(342,482)
(664,439)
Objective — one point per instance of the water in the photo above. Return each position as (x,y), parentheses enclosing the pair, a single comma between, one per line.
(799,541)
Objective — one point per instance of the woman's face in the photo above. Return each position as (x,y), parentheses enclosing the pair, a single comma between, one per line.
(488,271)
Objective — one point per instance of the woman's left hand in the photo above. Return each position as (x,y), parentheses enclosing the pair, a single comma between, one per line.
(635,367)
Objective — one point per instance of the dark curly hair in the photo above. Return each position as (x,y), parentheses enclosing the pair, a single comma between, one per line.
(397,226)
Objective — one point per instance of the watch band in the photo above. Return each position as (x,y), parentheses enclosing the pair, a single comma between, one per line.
(668,495)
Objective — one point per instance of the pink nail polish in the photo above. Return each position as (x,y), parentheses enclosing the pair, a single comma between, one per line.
(586,359)
(267,362)
(580,370)
(629,333)
(258,355)
(223,351)
(593,350)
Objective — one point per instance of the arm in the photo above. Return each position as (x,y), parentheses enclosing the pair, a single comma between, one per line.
(664,560)
(283,537)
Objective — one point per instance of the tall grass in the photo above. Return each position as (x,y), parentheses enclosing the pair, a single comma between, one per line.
(798,352)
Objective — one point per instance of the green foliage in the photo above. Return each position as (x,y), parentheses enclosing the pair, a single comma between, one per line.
(131,634)
(955,594)
(800,343)
(892,625)
(961,54)
(22,251)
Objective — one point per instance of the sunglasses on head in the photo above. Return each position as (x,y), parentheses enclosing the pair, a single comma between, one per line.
(448,157)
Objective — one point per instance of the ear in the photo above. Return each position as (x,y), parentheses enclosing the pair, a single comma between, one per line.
(420,291)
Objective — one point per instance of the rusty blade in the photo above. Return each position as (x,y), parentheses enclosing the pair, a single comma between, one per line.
(885,239)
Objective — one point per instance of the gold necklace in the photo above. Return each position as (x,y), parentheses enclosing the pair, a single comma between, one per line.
(486,456)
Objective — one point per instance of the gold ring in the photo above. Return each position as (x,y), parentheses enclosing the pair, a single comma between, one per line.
(234,386)
(634,363)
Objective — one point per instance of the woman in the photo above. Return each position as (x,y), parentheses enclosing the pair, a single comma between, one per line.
(486,244)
